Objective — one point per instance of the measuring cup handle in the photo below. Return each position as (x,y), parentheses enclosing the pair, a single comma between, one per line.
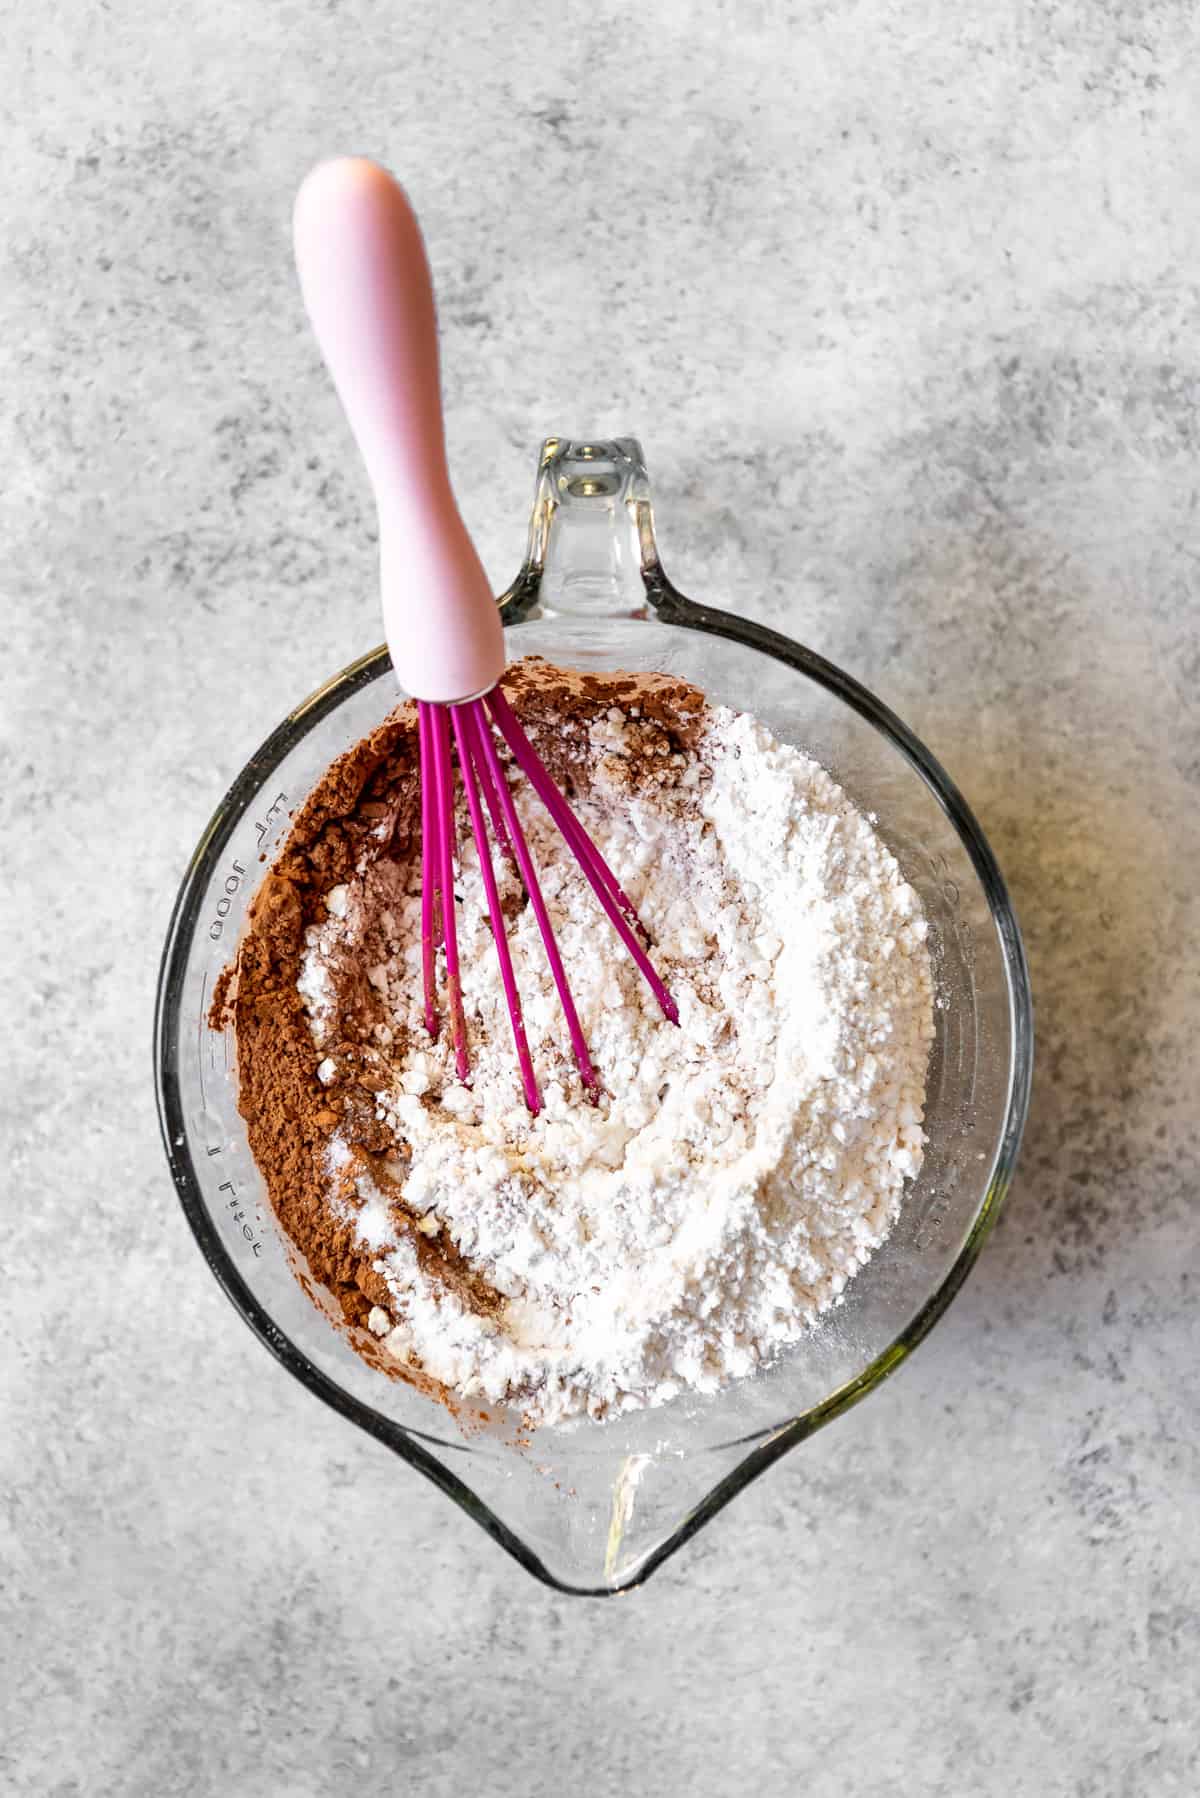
(367,289)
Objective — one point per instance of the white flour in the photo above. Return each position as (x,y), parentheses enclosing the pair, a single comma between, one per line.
(739,1169)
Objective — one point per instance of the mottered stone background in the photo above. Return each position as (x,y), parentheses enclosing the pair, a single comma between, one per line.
(902,303)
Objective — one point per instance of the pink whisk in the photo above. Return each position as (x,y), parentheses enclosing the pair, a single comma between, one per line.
(366,285)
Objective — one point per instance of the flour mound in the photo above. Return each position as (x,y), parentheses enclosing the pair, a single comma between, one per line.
(738,1170)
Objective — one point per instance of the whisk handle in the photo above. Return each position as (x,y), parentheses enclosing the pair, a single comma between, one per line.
(367,289)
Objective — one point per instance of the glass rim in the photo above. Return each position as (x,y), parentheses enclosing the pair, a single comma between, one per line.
(669,607)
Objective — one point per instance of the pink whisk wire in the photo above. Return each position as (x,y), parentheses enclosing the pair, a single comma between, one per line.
(443,802)
(600,877)
(466,728)
(430,886)
(489,798)
(516,835)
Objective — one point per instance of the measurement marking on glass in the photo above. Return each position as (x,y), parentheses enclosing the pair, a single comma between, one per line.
(233,881)
(276,806)
(200,1038)
(239,1215)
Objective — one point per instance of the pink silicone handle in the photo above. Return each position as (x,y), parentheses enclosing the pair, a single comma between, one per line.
(366,285)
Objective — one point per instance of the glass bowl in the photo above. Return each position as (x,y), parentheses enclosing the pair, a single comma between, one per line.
(595,1508)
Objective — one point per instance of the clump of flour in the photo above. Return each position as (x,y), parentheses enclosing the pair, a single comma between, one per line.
(738,1170)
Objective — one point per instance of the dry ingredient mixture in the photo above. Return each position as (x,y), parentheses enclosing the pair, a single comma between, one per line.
(739,1168)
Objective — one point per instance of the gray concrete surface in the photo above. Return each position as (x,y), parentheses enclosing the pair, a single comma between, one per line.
(902,302)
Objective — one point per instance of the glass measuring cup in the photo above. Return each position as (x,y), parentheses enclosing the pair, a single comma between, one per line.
(590,1507)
